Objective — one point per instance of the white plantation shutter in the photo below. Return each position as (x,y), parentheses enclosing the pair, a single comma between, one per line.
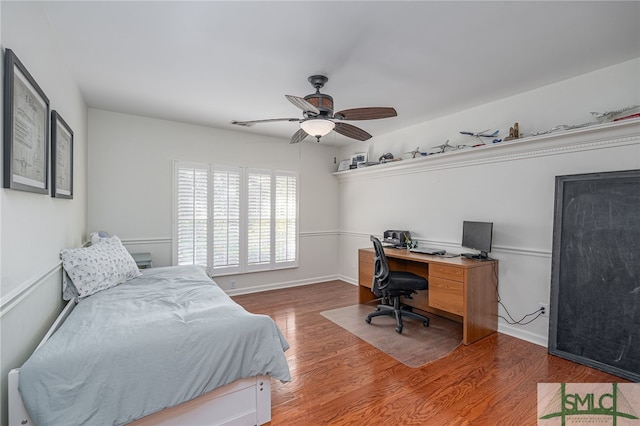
(226,218)
(192,214)
(258,217)
(235,220)
(286,240)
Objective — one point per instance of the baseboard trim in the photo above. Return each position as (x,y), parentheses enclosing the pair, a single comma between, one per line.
(16,296)
(523,335)
(502,328)
(282,285)
(348,279)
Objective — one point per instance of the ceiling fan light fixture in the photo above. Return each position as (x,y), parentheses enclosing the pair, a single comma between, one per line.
(317,126)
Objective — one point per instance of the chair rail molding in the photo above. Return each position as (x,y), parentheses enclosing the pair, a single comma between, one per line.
(15,296)
(319,233)
(166,240)
(137,241)
(600,136)
(523,251)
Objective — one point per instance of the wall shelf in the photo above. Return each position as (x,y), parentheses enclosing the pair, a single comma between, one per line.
(626,132)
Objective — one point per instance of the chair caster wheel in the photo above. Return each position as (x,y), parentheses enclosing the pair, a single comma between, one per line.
(368,320)
(399,330)
(425,323)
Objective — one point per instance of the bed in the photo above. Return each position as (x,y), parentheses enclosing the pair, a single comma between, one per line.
(167,346)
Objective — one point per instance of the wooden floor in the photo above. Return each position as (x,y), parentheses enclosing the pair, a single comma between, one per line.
(338,379)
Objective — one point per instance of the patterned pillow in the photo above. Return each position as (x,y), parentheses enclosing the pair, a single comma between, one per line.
(99,267)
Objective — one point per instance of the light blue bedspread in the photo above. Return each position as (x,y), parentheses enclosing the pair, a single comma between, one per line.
(153,342)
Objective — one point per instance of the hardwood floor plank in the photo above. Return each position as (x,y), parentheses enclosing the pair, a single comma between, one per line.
(339,379)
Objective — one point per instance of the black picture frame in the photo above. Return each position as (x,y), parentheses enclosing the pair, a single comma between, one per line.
(594,273)
(26,129)
(61,157)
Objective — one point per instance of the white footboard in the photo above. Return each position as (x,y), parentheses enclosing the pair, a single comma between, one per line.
(17,412)
(243,402)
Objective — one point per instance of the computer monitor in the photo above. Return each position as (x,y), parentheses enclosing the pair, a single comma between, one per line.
(477,236)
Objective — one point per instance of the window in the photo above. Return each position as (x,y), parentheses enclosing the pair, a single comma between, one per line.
(286,218)
(259,218)
(192,213)
(225,227)
(233,220)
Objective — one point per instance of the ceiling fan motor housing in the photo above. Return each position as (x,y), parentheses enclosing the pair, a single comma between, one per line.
(321,101)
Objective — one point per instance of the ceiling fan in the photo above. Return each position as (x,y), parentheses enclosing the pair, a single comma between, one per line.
(319,118)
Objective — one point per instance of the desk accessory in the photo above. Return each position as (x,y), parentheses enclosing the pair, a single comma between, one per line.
(398,239)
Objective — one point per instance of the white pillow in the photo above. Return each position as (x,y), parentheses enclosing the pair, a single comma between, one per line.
(99,267)
(68,289)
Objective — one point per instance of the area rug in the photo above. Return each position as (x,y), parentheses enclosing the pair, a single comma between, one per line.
(415,347)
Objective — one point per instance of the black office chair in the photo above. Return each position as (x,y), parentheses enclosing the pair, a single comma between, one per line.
(390,285)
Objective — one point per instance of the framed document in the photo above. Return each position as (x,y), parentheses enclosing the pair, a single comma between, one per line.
(61,157)
(344,165)
(359,157)
(26,129)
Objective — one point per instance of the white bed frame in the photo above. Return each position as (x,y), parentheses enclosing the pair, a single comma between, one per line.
(245,402)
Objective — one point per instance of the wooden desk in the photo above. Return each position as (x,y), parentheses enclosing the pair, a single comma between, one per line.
(460,289)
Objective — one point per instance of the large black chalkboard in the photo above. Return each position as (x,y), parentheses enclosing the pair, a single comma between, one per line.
(595,280)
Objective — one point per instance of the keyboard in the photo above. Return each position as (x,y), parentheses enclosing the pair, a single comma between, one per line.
(427,250)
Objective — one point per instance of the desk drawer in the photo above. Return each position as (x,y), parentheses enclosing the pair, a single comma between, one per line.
(446,295)
(448,272)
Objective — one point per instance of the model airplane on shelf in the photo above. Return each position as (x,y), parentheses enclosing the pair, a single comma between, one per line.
(564,127)
(417,153)
(600,117)
(483,134)
(443,148)
(612,115)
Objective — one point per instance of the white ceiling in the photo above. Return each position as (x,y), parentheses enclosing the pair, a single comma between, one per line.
(211,62)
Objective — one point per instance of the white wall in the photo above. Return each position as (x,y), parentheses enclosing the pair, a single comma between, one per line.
(34,227)
(131,187)
(515,192)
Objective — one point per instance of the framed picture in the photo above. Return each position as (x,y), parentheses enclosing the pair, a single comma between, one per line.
(61,157)
(359,157)
(26,129)
(344,165)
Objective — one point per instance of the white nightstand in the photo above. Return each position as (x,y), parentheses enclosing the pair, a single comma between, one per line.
(143,260)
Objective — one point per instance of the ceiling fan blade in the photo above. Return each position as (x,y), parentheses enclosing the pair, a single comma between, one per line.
(302,104)
(268,120)
(352,131)
(298,136)
(371,113)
